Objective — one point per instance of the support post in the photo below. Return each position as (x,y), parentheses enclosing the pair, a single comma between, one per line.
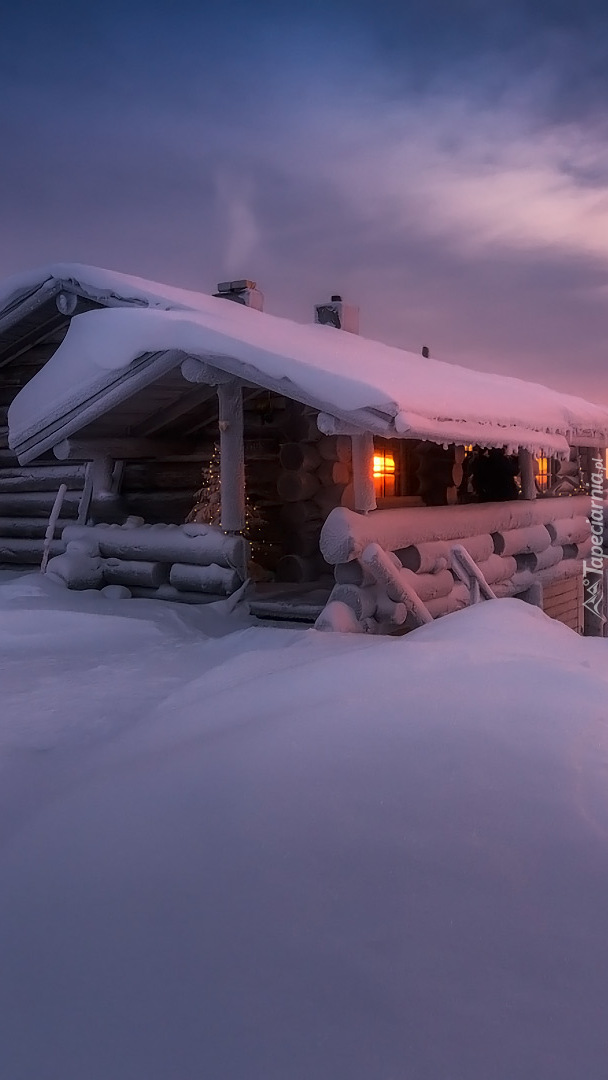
(363,472)
(232,456)
(526,468)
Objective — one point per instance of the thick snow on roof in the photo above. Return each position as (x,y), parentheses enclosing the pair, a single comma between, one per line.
(371,384)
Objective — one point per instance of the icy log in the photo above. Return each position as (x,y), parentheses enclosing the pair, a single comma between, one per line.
(393,582)
(199,545)
(352,573)
(497,567)
(363,600)
(569,531)
(232,456)
(147,575)
(76,570)
(534,538)
(445,605)
(429,586)
(429,557)
(363,473)
(345,534)
(338,618)
(299,455)
(540,560)
(208,579)
(18,551)
(297,486)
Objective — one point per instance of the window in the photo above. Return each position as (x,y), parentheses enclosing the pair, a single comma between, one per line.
(395,468)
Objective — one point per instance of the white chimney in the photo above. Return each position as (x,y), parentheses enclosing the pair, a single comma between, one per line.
(337,313)
(242,291)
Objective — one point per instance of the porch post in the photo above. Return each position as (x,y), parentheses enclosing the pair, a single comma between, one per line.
(363,472)
(526,466)
(232,457)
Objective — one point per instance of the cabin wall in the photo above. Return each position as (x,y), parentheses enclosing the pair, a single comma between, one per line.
(27,493)
(381,559)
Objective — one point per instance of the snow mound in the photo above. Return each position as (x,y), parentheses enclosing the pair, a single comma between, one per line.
(326,856)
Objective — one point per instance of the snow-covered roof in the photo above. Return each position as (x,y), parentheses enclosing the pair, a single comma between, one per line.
(363,383)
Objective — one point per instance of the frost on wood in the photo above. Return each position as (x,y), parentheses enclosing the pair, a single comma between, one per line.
(170,561)
(410,556)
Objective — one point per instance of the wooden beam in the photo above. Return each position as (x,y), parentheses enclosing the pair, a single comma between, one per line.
(232,457)
(363,473)
(123,449)
(188,402)
(528,480)
(198,371)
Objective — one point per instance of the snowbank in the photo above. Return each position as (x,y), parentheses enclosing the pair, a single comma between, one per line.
(399,392)
(306,854)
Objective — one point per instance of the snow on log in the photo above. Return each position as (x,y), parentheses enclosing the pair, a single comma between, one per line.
(19,551)
(295,486)
(299,455)
(534,538)
(135,572)
(429,557)
(539,560)
(389,613)
(429,586)
(569,531)
(394,582)
(445,605)
(208,579)
(346,534)
(352,573)
(363,600)
(339,618)
(76,570)
(497,567)
(198,544)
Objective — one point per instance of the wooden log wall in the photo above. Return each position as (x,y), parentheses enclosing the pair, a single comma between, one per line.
(27,492)
(528,550)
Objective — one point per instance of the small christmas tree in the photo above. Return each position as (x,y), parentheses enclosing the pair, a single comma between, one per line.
(207,509)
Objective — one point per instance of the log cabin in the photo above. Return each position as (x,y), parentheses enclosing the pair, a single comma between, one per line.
(172,444)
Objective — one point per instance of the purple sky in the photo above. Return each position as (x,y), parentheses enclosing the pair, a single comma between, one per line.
(444,166)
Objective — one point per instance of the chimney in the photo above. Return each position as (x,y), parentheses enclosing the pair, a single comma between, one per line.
(337,313)
(426,352)
(243,292)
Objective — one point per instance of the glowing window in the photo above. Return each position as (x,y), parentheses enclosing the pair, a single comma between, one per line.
(384,473)
(543,473)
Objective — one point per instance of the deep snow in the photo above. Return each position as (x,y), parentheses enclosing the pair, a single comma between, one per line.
(239,852)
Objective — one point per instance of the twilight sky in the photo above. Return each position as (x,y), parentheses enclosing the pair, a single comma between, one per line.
(442,163)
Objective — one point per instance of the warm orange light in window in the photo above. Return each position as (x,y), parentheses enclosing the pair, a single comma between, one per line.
(542,473)
(384,465)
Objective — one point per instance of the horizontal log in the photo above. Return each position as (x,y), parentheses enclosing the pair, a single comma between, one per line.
(569,530)
(207,579)
(42,480)
(121,449)
(352,573)
(17,550)
(335,448)
(28,528)
(148,575)
(434,555)
(540,560)
(77,571)
(296,515)
(299,455)
(362,600)
(430,586)
(297,486)
(334,472)
(36,504)
(194,544)
(534,538)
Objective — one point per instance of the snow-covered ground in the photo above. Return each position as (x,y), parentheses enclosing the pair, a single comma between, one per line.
(233,852)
